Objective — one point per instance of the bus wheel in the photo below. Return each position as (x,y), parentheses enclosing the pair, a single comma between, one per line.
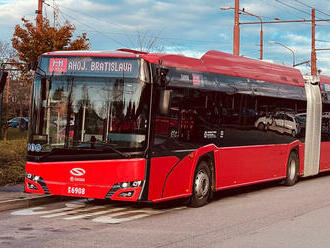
(201,185)
(292,169)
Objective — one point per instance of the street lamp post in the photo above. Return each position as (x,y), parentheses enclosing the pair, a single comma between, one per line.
(313,50)
(237,23)
(288,48)
(261,32)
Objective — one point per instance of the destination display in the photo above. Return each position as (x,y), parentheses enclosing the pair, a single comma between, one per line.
(113,67)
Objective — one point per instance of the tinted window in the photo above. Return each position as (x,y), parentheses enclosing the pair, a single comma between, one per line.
(196,117)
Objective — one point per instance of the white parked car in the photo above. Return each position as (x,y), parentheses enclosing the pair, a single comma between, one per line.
(263,122)
(282,122)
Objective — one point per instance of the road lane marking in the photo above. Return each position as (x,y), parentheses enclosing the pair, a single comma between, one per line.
(82,209)
(112,220)
(139,213)
(35,210)
(81,216)
(73,211)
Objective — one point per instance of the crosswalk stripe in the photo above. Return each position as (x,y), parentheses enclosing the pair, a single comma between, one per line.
(74,211)
(109,219)
(93,214)
(83,209)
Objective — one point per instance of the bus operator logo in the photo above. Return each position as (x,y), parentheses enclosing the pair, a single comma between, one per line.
(77,172)
(58,65)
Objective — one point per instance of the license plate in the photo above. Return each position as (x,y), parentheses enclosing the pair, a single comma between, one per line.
(76,190)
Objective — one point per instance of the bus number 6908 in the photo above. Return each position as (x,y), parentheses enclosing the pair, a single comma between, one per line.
(76,190)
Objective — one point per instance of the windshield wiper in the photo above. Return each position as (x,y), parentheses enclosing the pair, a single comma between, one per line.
(56,150)
(52,152)
(107,145)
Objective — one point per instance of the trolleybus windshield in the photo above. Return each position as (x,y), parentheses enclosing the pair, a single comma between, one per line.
(89,112)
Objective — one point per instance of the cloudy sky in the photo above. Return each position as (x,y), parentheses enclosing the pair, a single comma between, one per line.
(189,27)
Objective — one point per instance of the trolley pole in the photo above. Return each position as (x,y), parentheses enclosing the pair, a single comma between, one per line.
(313,52)
(39,16)
(236,30)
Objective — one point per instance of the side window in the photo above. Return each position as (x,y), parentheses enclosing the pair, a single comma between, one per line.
(325,128)
(273,111)
(193,116)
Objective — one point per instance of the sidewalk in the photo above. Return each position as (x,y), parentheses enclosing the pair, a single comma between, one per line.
(13,197)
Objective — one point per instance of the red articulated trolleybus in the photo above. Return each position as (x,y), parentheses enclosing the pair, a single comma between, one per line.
(135,126)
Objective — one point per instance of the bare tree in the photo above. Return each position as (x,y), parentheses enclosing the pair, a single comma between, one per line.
(7,53)
(147,41)
(16,93)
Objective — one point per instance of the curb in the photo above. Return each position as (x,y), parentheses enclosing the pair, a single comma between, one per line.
(30,202)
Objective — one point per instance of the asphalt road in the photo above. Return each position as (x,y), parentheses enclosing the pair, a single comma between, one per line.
(267,215)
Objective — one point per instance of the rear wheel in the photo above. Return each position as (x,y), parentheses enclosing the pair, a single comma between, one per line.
(201,185)
(292,170)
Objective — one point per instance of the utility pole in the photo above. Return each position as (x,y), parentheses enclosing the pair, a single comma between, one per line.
(39,16)
(236,39)
(7,88)
(313,50)
(5,133)
(313,53)
(261,31)
(288,48)
(261,41)
(236,29)
(3,80)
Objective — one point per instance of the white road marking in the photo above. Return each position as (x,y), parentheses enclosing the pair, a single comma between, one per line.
(74,211)
(34,210)
(29,211)
(139,213)
(111,220)
(93,214)
(110,214)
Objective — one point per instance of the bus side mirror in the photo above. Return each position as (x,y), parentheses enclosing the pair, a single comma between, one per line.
(161,76)
(164,101)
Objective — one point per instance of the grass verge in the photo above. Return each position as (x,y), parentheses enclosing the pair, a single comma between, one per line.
(12,161)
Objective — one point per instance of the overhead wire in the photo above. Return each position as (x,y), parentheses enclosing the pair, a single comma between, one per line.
(325,41)
(309,6)
(319,11)
(281,8)
(76,19)
(292,7)
(128,35)
(95,18)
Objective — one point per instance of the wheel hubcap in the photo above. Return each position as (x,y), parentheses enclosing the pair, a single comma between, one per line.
(292,169)
(202,183)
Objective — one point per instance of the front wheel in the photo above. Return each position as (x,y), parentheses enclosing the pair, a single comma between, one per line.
(292,170)
(201,185)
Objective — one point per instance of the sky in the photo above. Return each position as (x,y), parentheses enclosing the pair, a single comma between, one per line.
(187,27)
